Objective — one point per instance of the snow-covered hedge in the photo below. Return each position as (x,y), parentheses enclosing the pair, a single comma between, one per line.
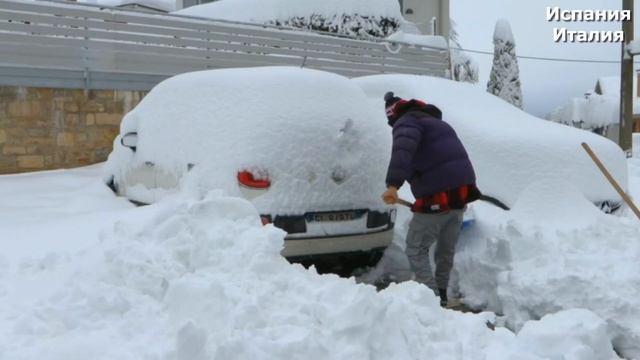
(362,18)
(354,25)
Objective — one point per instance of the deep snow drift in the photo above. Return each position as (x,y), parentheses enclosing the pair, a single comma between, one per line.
(191,278)
(553,251)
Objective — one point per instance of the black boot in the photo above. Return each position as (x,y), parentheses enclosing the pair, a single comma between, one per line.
(443,297)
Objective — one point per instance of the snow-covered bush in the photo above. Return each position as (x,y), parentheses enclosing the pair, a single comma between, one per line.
(464,67)
(360,18)
(504,81)
(344,24)
(594,113)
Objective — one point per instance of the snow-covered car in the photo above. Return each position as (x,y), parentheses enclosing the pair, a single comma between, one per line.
(307,148)
(509,147)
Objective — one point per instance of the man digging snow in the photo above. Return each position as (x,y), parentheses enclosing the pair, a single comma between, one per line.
(428,154)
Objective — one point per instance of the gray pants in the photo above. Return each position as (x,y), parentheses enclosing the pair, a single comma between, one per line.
(425,229)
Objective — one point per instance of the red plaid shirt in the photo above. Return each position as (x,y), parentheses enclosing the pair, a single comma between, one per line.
(447,200)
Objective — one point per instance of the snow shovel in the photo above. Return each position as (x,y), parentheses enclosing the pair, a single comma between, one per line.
(613,181)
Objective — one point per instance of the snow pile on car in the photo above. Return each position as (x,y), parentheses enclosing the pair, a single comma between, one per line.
(554,251)
(189,279)
(508,147)
(269,121)
(373,18)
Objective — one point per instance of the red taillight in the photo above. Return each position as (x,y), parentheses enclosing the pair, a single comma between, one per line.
(247,179)
(266,219)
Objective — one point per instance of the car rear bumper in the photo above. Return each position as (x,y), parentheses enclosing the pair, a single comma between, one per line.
(337,244)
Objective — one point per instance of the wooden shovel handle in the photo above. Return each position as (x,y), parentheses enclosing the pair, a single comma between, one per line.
(404,202)
(613,181)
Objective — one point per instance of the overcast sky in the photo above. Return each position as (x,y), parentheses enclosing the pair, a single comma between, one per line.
(545,84)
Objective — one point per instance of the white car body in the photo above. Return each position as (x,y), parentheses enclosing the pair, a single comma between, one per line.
(322,149)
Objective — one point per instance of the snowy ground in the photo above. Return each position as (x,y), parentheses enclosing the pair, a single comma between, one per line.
(553,251)
(84,275)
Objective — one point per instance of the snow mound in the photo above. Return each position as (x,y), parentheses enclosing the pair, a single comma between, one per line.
(527,264)
(508,147)
(556,204)
(192,279)
(583,334)
(263,119)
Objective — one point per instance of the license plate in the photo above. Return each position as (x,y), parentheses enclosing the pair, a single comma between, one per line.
(336,216)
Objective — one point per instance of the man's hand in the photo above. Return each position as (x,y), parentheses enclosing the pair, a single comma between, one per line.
(390,196)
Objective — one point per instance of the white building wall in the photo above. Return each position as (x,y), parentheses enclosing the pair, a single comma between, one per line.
(421,12)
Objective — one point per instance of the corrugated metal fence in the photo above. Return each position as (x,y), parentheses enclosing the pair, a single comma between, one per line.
(55,44)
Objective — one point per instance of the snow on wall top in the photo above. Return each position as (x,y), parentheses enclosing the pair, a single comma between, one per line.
(166,5)
(261,119)
(269,10)
(503,31)
(421,40)
(508,147)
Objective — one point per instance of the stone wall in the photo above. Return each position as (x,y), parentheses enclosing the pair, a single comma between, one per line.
(44,128)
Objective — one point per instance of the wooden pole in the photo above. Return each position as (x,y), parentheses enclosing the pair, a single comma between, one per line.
(404,202)
(613,181)
(626,83)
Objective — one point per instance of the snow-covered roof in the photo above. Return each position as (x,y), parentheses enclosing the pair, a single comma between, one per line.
(610,86)
(509,147)
(590,113)
(600,108)
(268,10)
(164,5)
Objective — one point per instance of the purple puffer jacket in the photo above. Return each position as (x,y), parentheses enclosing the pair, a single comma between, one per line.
(428,154)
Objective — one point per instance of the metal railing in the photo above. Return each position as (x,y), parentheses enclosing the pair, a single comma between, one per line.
(56,44)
